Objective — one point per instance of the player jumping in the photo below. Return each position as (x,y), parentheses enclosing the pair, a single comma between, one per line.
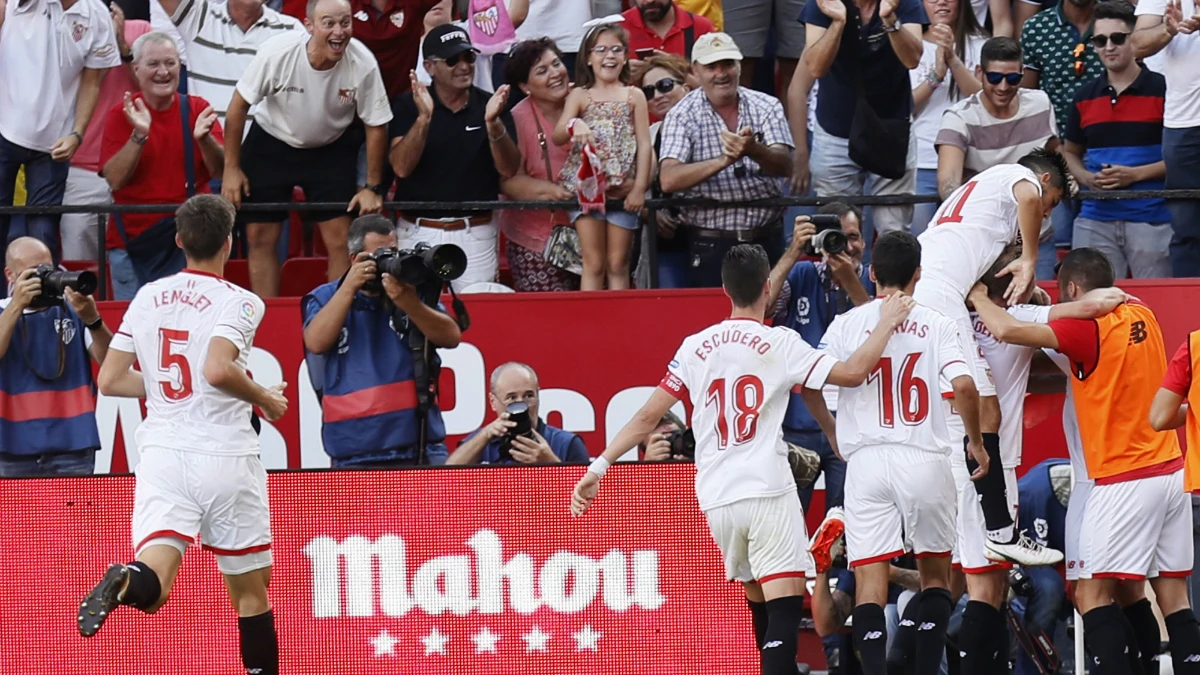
(738,375)
(200,472)
(967,235)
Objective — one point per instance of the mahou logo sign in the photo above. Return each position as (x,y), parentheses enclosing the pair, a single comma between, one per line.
(430,571)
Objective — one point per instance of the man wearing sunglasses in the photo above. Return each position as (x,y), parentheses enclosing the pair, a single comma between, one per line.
(1114,142)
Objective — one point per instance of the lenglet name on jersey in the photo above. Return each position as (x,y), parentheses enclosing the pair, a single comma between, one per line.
(197,301)
(732,336)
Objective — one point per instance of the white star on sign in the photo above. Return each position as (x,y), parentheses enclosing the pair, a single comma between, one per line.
(485,641)
(435,642)
(535,640)
(384,643)
(586,639)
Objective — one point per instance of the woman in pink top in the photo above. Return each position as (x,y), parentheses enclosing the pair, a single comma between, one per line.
(536,67)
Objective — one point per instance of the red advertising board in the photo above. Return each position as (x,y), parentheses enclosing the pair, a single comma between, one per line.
(597,356)
(426,571)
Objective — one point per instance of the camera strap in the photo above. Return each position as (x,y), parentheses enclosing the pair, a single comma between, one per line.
(62,348)
(461,317)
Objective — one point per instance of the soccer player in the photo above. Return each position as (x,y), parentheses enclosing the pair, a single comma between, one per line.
(966,236)
(1138,521)
(983,633)
(892,432)
(200,471)
(738,375)
(1176,403)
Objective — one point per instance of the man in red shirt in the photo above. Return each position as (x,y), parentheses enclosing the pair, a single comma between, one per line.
(663,26)
(142,156)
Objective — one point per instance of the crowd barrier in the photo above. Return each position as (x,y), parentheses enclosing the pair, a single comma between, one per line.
(430,571)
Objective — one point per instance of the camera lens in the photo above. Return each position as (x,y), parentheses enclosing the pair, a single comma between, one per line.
(830,242)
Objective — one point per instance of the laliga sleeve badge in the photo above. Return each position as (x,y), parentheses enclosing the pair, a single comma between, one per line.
(397,19)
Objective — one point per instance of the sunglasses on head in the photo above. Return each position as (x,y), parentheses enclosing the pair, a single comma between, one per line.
(994,79)
(468,56)
(663,86)
(1101,41)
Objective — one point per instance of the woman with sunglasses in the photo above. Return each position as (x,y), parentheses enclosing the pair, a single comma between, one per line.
(663,83)
(952,44)
(536,68)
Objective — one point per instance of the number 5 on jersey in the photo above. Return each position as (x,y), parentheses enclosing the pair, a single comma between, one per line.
(746,395)
(169,360)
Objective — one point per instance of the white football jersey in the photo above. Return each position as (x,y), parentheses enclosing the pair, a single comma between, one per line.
(898,403)
(972,227)
(1070,421)
(169,325)
(738,375)
(1010,371)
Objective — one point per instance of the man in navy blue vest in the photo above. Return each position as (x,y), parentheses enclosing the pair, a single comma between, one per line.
(1043,493)
(518,383)
(808,296)
(47,394)
(361,364)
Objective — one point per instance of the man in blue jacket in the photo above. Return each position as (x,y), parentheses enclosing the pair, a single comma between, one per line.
(360,360)
(518,383)
(808,295)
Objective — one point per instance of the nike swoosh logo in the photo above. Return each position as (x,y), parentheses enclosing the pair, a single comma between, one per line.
(474,128)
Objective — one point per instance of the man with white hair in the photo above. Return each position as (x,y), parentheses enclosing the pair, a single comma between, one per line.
(160,147)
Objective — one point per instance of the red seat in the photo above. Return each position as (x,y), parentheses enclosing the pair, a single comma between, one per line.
(298,276)
(237,271)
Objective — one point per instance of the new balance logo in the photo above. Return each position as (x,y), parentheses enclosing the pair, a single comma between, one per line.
(773,644)
(1192,658)
(1137,332)
(907,622)
(928,625)
(873,635)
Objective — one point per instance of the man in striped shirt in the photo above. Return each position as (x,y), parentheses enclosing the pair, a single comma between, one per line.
(222,38)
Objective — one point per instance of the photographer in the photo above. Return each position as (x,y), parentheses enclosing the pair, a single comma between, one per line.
(358,335)
(807,296)
(514,399)
(668,435)
(47,394)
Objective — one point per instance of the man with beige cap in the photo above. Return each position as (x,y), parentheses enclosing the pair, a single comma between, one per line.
(729,143)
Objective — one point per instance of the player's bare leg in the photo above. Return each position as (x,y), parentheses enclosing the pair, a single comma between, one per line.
(980,640)
(1183,633)
(783,601)
(1105,629)
(870,624)
(256,621)
(144,584)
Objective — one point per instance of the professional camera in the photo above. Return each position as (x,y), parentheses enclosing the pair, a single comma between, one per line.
(56,281)
(1020,583)
(415,266)
(829,238)
(518,413)
(683,443)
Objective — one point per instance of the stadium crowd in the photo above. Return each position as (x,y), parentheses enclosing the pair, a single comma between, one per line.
(425,101)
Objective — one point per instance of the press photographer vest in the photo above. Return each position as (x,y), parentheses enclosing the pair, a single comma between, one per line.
(50,412)
(1041,515)
(368,396)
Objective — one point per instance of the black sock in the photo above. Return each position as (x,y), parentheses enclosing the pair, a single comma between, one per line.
(1184,635)
(902,653)
(936,608)
(1001,661)
(1105,634)
(993,492)
(260,644)
(783,633)
(758,612)
(1146,636)
(144,588)
(977,638)
(870,638)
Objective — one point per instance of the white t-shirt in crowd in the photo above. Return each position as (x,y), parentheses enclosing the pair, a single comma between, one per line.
(927,122)
(739,375)
(560,20)
(900,402)
(309,108)
(218,51)
(1010,371)
(169,326)
(161,21)
(1181,66)
(43,51)
(971,228)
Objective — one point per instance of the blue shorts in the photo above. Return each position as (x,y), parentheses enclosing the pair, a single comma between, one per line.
(622,219)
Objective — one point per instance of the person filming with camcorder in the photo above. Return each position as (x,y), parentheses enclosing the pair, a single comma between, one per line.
(50,331)
(370,341)
(518,435)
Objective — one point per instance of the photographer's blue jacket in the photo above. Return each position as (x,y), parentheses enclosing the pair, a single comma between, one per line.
(1041,515)
(47,413)
(368,396)
(813,305)
(567,447)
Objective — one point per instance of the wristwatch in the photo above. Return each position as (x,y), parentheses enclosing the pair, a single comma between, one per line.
(377,189)
(127,58)
(892,28)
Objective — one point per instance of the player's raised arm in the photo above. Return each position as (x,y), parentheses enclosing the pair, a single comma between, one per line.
(854,370)
(1008,328)
(1030,212)
(1094,303)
